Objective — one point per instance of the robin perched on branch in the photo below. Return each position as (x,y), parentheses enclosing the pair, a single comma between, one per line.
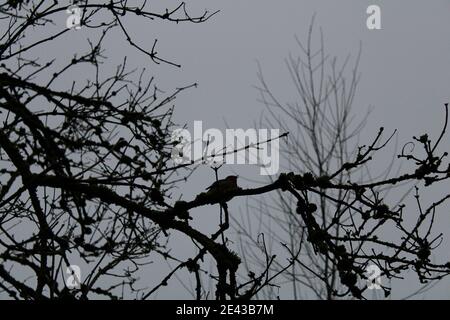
(224,185)
(223,188)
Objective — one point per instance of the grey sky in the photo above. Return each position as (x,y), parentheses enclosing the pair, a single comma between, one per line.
(405,76)
(405,71)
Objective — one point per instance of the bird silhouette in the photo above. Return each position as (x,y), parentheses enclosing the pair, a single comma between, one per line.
(224,185)
(223,190)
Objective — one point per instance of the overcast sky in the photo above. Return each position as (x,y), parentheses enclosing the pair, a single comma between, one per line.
(405,70)
(405,76)
(405,73)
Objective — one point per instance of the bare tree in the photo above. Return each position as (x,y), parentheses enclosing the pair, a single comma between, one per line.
(324,136)
(86,173)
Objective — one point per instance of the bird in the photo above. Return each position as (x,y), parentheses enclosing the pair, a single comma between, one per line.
(223,189)
(224,185)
